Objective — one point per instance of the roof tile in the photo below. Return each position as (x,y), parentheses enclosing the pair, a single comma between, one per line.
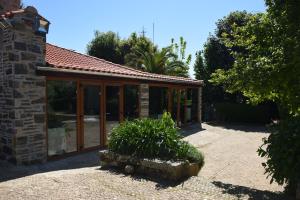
(62,58)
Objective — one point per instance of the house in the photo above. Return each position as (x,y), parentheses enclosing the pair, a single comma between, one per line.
(55,101)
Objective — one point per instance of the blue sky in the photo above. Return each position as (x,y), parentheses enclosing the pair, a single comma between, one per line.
(73,22)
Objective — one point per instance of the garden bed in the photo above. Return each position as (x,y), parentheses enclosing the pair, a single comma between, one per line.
(169,170)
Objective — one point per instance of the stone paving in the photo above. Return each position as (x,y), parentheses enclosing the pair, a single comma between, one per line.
(232,171)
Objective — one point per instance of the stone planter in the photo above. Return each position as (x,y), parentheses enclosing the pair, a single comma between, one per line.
(174,171)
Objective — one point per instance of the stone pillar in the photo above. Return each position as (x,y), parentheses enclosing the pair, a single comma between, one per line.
(22,92)
(200,105)
(144,100)
(9,5)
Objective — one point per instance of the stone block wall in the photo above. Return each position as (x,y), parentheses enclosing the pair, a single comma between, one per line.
(9,5)
(144,100)
(22,92)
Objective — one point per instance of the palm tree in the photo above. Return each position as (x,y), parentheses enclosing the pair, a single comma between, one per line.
(162,61)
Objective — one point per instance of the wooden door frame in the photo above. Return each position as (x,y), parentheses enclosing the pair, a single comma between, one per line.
(81,133)
(120,101)
(102,84)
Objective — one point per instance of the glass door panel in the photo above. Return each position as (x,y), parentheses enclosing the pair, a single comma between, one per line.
(131,102)
(91,115)
(112,108)
(183,113)
(62,117)
(189,103)
(175,105)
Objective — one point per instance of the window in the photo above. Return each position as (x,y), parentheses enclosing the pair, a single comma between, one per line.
(62,131)
(158,101)
(194,106)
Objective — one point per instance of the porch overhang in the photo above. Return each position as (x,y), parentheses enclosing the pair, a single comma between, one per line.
(52,71)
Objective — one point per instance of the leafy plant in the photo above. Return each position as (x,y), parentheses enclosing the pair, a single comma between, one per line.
(152,138)
(282,150)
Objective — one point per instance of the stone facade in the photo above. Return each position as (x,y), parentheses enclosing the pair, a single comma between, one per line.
(9,5)
(144,100)
(22,92)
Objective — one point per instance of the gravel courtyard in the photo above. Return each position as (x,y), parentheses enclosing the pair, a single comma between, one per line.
(232,171)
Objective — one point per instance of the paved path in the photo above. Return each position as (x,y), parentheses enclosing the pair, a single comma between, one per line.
(232,171)
(230,155)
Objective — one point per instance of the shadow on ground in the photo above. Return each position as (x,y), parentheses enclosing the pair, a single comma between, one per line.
(191,129)
(252,194)
(10,171)
(246,127)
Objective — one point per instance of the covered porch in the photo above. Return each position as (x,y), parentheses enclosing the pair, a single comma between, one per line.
(84,105)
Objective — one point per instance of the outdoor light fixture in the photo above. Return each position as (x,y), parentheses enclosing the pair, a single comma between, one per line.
(41,25)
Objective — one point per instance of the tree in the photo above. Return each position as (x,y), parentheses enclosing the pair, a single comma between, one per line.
(162,61)
(106,46)
(199,68)
(133,44)
(140,53)
(269,69)
(217,56)
(179,50)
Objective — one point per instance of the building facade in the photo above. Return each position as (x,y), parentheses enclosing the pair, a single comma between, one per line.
(54,101)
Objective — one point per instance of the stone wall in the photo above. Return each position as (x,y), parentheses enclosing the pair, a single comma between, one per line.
(9,5)
(144,100)
(22,96)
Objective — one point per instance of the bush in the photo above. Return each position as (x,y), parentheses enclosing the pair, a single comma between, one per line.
(282,150)
(233,112)
(152,138)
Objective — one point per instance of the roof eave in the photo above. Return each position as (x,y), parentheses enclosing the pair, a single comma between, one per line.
(45,70)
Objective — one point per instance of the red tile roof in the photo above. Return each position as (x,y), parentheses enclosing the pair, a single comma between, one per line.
(61,58)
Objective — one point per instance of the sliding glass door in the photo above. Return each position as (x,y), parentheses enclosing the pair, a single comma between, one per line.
(62,117)
(112,113)
(91,116)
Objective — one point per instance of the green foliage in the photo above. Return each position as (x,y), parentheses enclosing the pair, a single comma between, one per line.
(180,51)
(233,112)
(162,61)
(282,150)
(199,68)
(133,44)
(216,55)
(106,46)
(140,53)
(270,68)
(152,138)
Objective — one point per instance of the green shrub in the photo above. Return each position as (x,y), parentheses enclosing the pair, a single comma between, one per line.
(152,138)
(282,150)
(233,112)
